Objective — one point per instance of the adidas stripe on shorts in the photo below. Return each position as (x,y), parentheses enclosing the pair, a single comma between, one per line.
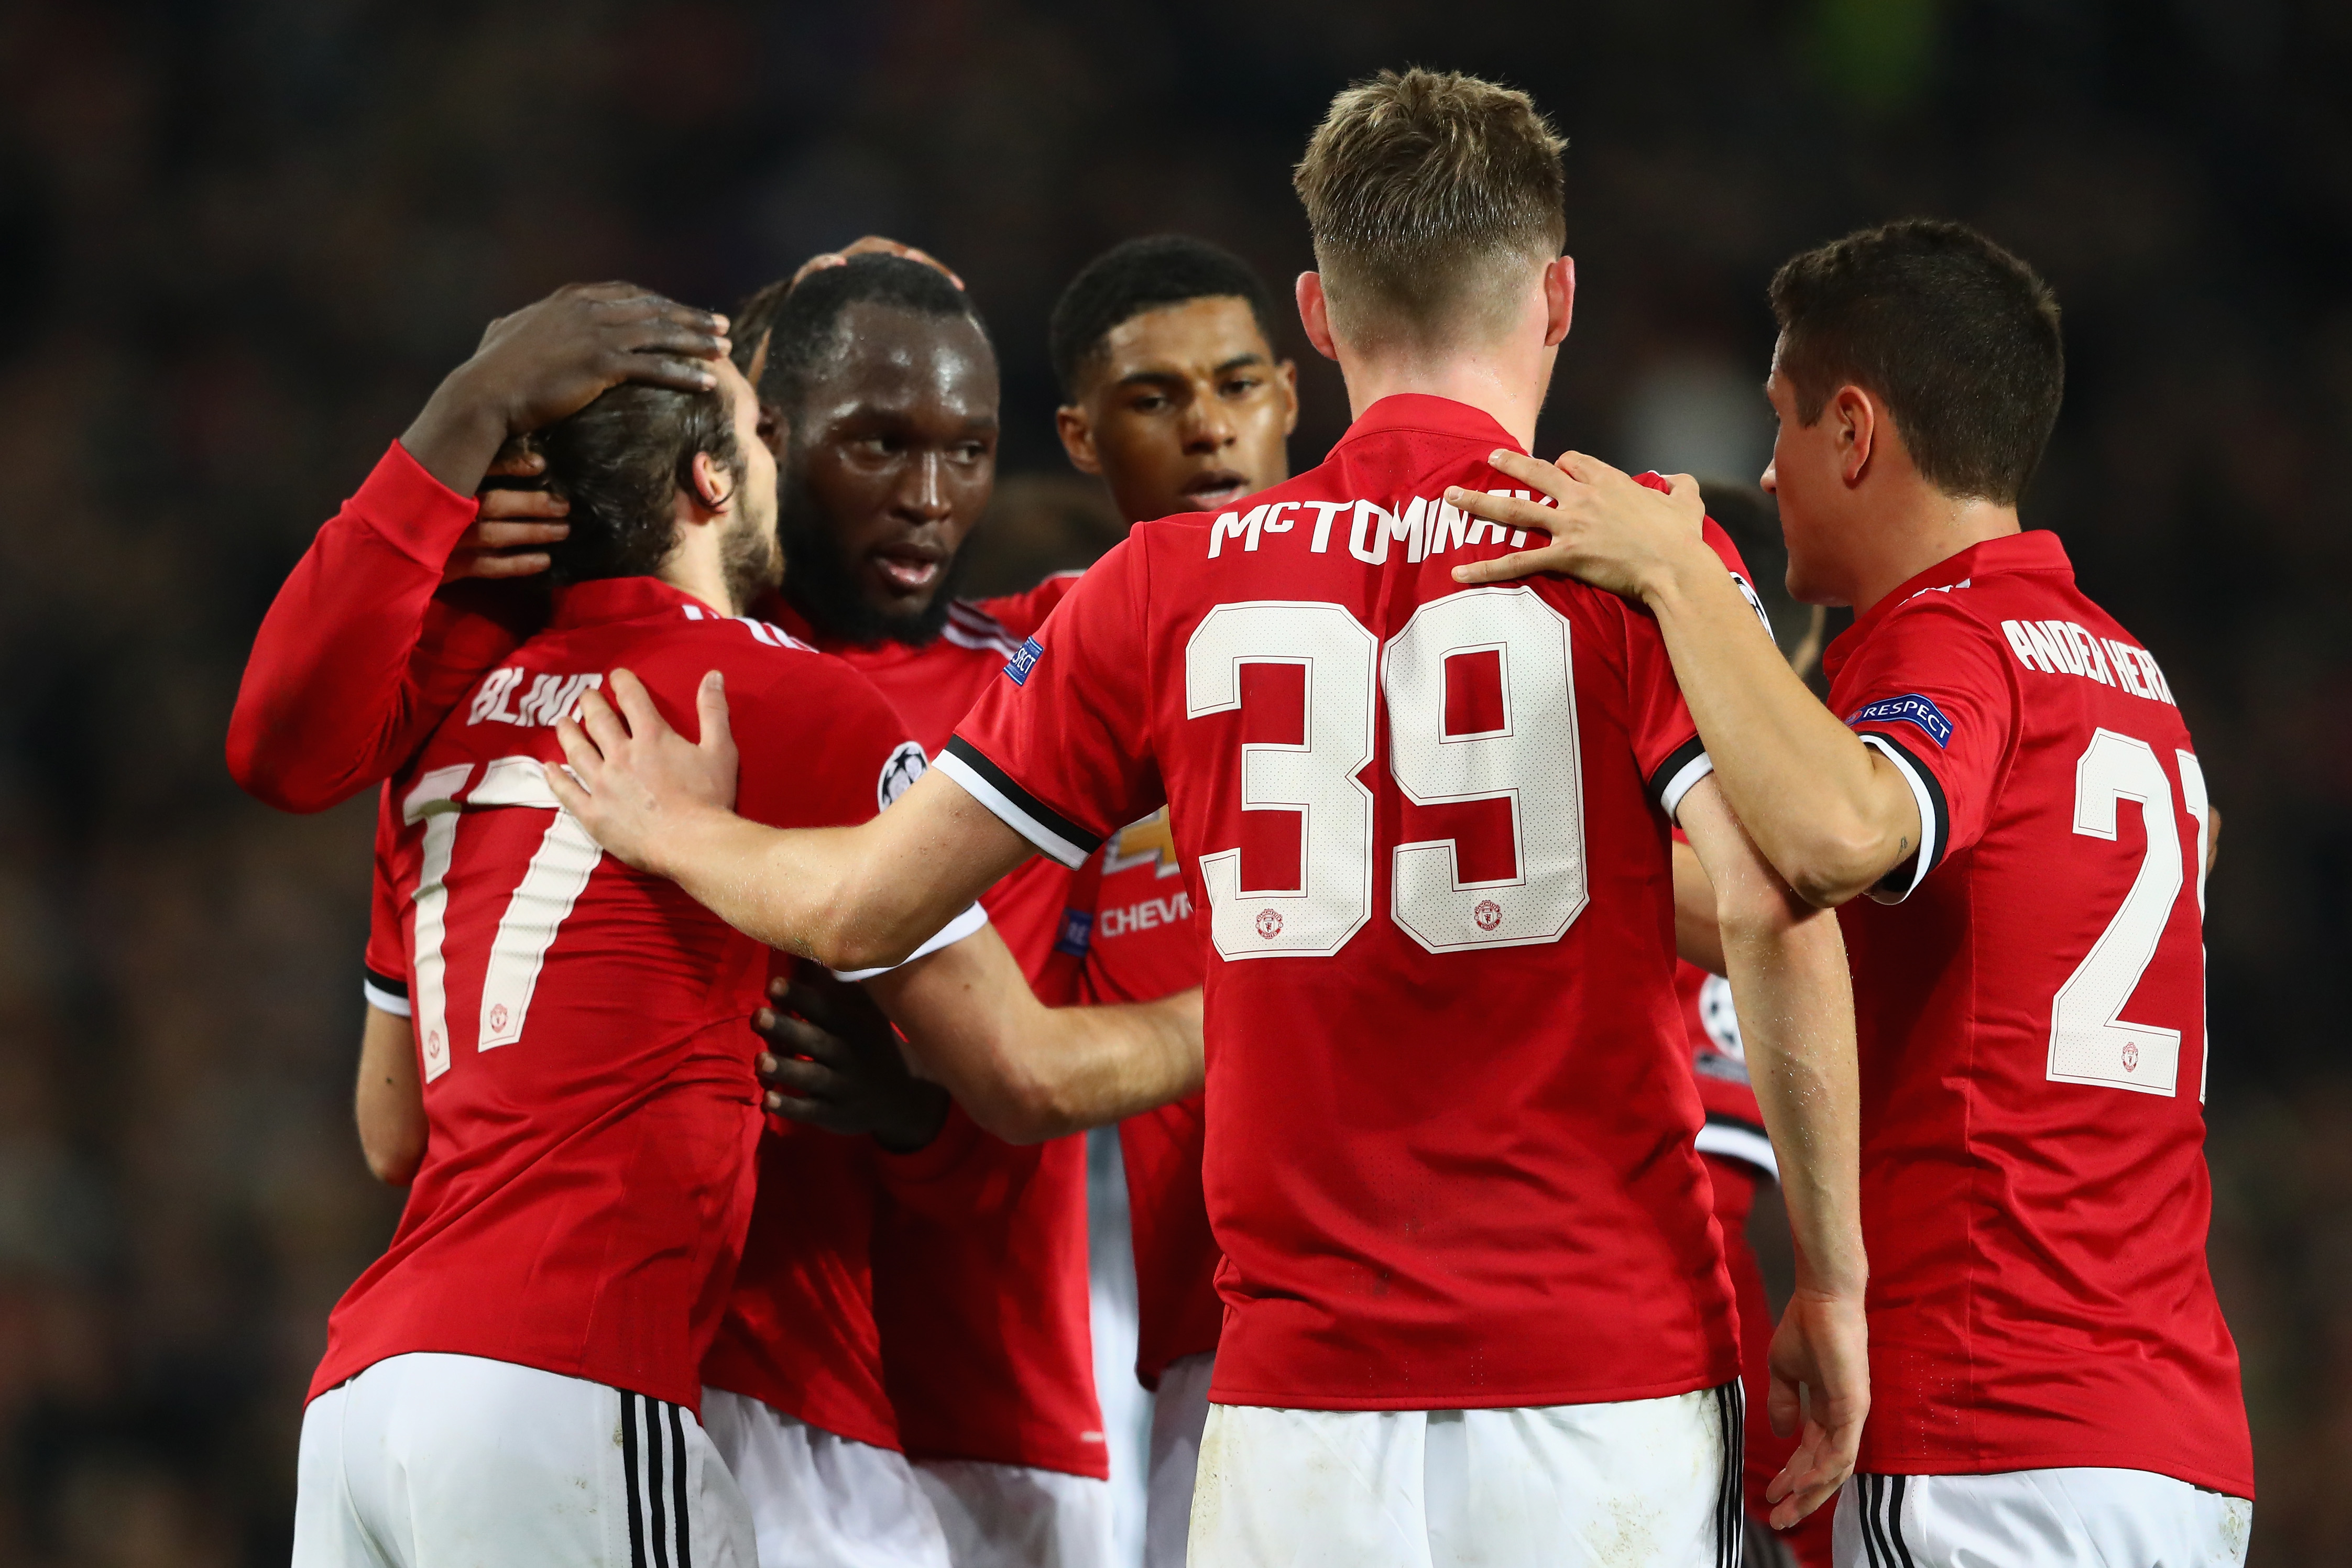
(2039,1518)
(428,1458)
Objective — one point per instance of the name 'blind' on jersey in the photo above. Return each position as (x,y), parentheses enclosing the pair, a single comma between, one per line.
(1450,1113)
(2030,1003)
(582,1028)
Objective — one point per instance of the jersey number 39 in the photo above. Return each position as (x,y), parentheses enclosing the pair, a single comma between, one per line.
(1529,760)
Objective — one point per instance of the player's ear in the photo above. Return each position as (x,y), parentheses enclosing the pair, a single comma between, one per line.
(1858,431)
(1286,376)
(1077,434)
(1559,299)
(1315,315)
(714,483)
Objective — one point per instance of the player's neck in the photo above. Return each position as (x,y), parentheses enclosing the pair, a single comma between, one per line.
(1500,383)
(1917,527)
(698,572)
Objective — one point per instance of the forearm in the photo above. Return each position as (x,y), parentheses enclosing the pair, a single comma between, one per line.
(1027,1072)
(1830,815)
(331,700)
(1789,985)
(791,889)
(851,898)
(387,1103)
(1698,939)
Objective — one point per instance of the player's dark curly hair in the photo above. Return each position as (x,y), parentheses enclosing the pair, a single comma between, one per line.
(801,325)
(1958,337)
(1140,275)
(621,462)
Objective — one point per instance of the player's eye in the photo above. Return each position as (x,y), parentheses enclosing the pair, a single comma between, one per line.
(1149,403)
(1242,386)
(969,452)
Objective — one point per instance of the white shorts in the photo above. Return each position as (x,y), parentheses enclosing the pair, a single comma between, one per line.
(2030,1518)
(1646,1483)
(819,1500)
(431,1458)
(1014,1516)
(1179,1413)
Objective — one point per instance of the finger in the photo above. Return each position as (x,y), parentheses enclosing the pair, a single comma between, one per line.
(1587,469)
(627,302)
(1507,568)
(816,264)
(635,704)
(818,1007)
(1507,510)
(518,460)
(1542,478)
(657,338)
(567,789)
(1680,484)
(824,1114)
(504,503)
(604,730)
(485,566)
(798,1037)
(1782,1405)
(503,533)
(679,375)
(928,259)
(805,1080)
(710,711)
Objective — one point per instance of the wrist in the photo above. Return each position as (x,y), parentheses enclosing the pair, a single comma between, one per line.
(1673,578)
(457,434)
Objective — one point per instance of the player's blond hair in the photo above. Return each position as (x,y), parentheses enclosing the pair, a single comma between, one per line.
(1429,194)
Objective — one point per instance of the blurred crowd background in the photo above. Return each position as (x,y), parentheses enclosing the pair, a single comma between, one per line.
(240,243)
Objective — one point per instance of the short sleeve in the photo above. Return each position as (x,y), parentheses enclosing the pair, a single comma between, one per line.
(385,983)
(1060,745)
(1928,690)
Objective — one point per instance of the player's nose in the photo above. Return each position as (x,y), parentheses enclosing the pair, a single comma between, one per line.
(923,490)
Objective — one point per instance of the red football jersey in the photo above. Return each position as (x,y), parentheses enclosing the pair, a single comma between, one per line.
(364,650)
(1451,1118)
(581,1026)
(2030,996)
(980,1269)
(1139,943)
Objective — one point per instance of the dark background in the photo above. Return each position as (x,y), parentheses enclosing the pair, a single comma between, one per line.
(238,246)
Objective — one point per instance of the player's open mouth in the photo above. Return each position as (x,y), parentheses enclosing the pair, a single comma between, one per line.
(909,571)
(1215,489)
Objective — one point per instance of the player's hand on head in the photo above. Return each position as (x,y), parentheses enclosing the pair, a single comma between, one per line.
(635,782)
(873,244)
(1821,1393)
(555,357)
(1604,526)
(832,1060)
(513,525)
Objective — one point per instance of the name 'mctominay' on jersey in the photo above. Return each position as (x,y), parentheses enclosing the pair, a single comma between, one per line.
(1450,1113)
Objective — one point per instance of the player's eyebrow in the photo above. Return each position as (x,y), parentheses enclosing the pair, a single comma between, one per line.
(1158,376)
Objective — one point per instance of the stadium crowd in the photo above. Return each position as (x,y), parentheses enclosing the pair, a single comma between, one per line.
(242,244)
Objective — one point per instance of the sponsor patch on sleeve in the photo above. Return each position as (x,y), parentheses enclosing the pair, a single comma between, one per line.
(1909,708)
(1024,659)
(899,772)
